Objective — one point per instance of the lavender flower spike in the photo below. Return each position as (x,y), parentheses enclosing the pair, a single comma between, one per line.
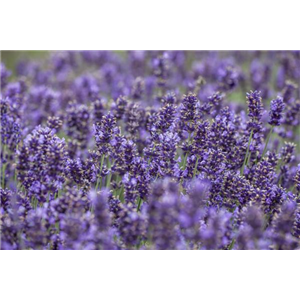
(277,107)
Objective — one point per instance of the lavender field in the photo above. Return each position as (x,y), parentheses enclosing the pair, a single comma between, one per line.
(139,150)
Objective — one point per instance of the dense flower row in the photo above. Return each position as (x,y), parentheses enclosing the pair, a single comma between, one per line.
(151,150)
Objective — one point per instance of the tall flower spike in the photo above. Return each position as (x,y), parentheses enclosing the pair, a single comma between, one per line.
(41,163)
(215,234)
(77,121)
(163,214)
(250,234)
(161,68)
(132,226)
(119,107)
(104,133)
(10,132)
(138,88)
(287,152)
(101,208)
(284,226)
(277,107)
(255,106)
(188,112)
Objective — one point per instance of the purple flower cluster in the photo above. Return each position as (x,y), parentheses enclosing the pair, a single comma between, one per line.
(151,150)
(277,107)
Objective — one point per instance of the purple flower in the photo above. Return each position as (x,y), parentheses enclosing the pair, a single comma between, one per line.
(41,161)
(287,152)
(72,201)
(297,179)
(74,231)
(188,111)
(165,118)
(83,173)
(104,133)
(283,228)
(37,233)
(163,214)
(132,226)
(161,68)
(251,232)
(216,233)
(255,106)
(101,210)
(77,121)
(277,107)
(288,91)
(119,107)
(54,123)
(10,132)
(228,78)
(5,198)
(138,88)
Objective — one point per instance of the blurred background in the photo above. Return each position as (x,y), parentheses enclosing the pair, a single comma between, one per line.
(11,58)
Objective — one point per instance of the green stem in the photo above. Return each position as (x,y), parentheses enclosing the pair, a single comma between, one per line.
(121,195)
(108,179)
(100,176)
(195,169)
(110,173)
(184,161)
(139,203)
(246,156)
(98,181)
(186,155)
(267,141)
(231,244)
(102,161)
(3,175)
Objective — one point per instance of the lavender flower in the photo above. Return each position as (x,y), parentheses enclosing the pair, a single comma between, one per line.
(74,231)
(192,214)
(161,68)
(277,107)
(83,173)
(104,133)
(119,107)
(287,152)
(214,233)
(132,226)
(251,232)
(228,78)
(72,201)
(37,233)
(10,132)
(283,228)
(5,198)
(138,88)
(297,179)
(288,91)
(78,122)
(163,216)
(165,118)
(101,211)
(41,162)
(54,123)
(255,106)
